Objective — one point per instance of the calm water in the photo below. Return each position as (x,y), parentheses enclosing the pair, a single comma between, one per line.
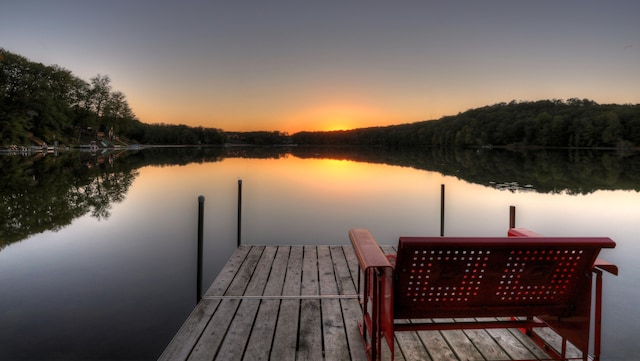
(98,253)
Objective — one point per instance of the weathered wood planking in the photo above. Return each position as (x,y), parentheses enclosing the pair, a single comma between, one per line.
(299,303)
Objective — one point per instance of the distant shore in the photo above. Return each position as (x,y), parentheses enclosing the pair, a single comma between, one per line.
(33,150)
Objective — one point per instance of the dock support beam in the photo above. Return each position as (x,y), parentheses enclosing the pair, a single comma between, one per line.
(200,246)
(442,210)
(239,212)
(512,216)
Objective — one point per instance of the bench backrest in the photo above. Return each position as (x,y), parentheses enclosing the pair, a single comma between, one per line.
(492,277)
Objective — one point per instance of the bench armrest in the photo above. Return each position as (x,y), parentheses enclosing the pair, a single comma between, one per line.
(522,232)
(367,249)
(606,266)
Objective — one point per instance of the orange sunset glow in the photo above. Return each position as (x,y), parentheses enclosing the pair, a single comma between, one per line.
(291,66)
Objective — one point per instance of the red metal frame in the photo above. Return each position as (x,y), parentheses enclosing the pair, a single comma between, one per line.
(535,282)
(598,267)
(376,303)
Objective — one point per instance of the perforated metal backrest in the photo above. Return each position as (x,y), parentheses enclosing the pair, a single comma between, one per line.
(476,277)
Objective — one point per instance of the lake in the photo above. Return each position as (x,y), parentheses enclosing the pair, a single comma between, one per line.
(98,251)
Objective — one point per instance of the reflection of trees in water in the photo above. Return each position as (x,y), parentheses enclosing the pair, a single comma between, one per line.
(42,193)
(102,191)
(48,193)
(556,171)
(576,171)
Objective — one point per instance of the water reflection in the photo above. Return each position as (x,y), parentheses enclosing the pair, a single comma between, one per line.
(48,193)
(120,279)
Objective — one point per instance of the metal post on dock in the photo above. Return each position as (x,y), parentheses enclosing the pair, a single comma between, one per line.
(442,210)
(200,246)
(512,216)
(239,212)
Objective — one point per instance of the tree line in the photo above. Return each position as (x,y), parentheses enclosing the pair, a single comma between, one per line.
(545,123)
(47,104)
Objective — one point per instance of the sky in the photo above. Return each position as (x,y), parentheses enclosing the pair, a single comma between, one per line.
(293,65)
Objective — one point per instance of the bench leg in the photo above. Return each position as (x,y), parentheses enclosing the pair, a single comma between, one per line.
(528,331)
(555,355)
(367,327)
(370,327)
(598,316)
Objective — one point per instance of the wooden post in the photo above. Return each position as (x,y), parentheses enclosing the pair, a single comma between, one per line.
(200,246)
(239,212)
(512,217)
(441,210)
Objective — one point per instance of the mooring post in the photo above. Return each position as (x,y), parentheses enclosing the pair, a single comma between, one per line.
(442,210)
(512,216)
(200,246)
(239,212)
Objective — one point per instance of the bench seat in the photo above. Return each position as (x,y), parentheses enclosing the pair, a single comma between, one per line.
(524,281)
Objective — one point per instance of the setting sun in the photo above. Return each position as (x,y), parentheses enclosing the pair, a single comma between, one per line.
(338,123)
(336,115)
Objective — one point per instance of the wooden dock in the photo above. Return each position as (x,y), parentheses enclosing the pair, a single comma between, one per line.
(300,303)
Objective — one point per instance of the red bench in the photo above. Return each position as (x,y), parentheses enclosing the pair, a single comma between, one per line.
(532,281)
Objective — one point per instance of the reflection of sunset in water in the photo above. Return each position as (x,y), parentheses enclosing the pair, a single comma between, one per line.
(147,245)
(290,198)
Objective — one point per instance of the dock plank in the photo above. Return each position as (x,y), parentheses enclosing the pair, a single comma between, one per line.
(238,332)
(410,345)
(486,345)
(261,272)
(299,303)
(352,263)
(185,339)
(351,310)
(228,273)
(333,329)
(512,345)
(344,281)
(190,332)
(458,342)
(213,335)
(310,331)
(437,346)
(240,329)
(286,333)
(262,334)
(263,331)
(278,272)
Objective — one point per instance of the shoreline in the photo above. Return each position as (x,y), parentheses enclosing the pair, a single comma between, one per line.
(35,149)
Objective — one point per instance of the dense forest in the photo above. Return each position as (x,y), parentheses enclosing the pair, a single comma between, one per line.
(42,104)
(545,123)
